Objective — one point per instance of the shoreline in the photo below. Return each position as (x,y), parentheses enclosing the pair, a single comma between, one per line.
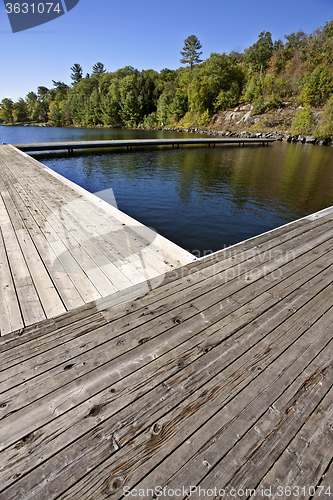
(244,134)
(303,139)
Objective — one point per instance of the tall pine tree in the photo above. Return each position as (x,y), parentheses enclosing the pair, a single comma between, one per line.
(77,73)
(190,52)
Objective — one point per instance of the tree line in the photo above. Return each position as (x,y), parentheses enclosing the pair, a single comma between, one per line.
(299,69)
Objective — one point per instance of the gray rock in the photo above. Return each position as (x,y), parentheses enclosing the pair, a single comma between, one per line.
(324,142)
(247,119)
(246,107)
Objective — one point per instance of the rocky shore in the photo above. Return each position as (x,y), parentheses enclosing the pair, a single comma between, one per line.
(308,139)
(241,122)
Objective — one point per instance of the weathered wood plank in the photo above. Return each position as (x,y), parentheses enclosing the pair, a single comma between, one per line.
(212,377)
(10,314)
(56,231)
(81,263)
(294,274)
(62,281)
(135,231)
(53,234)
(255,452)
(305,459)
(181,281)
(29,301)
(48,295)
(160,321)
(141,422)
(53,209)
(325,486)
(176,426)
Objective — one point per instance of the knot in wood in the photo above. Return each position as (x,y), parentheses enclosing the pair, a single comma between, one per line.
(157,429)
(181,363)
(114,485)
(68,367)
(94,411)
(177,320)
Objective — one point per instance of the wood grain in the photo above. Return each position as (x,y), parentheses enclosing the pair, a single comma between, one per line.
(220,375)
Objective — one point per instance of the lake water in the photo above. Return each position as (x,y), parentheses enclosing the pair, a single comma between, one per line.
(201,198)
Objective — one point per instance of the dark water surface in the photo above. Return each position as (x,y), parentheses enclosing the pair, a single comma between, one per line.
(202,199)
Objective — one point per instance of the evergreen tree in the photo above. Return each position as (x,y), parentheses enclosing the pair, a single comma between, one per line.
(98,69)
(31,100)
(42,109)
(6,110)
(54,115)
(61,90)
(260,52)
(77,73)
(190,52)
(20,111)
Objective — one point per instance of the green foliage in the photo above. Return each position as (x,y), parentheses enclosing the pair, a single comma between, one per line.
(190,52)
(54,115)
(295,41)
(252,89)
(325,128)
(191,120)
(264,74)
(6,110)
(178,105)
(42,93)
(168,75)
(98,69)
(228,99)
(263,105)
(162,111)
(76,105)
(204,119)
(93,109)
(110,110)
(31,100)
(61,90)
(77,73)
(303,122)
(259,54)
(258,105)
(150,121)
(20,111)
(86,86)
(199,95)
(317,86)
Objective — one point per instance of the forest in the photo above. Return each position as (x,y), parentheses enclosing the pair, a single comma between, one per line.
(269,75)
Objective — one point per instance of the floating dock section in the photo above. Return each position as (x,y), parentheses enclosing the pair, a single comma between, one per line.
(129,144)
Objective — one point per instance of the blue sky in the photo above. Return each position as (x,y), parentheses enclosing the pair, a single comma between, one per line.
(147,35)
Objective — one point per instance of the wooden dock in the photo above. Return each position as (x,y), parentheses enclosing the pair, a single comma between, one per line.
(129,144)
(62,247)
(216,383)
